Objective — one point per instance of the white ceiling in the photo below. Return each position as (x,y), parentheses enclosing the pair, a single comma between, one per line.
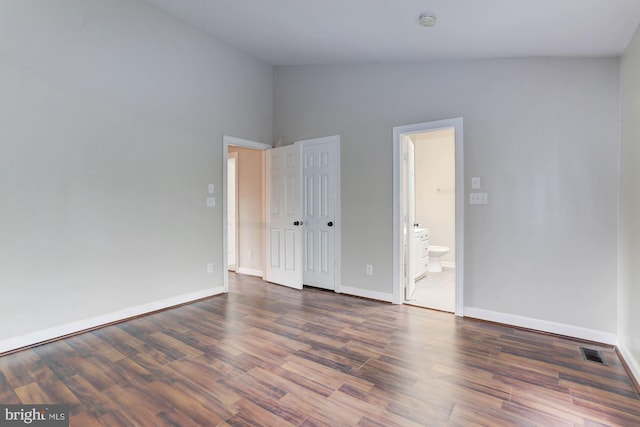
(287,32)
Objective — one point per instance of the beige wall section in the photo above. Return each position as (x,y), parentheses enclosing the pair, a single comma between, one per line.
(629,232)
(250,209)
(543,134)
(111,118)
(435,159)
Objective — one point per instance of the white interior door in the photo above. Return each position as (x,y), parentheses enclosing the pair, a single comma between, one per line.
(231,211)
(284,227)
(319,157)
(409,216)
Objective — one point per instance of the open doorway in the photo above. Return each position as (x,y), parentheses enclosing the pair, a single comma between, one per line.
(428,215)
(245,210)
(243,204)
(232,210)
(431,197)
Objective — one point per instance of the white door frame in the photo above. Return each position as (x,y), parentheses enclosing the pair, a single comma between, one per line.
(228,141)
(398,132)
(338,223)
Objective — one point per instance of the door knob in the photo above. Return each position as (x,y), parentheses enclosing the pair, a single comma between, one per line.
(296,223)
(330,223)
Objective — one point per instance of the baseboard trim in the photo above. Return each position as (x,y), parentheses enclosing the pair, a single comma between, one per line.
(632,364)
(250,271)
(541,325)
(57,332)
(364,293)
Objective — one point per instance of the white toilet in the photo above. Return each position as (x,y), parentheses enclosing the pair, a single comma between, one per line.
(435,254)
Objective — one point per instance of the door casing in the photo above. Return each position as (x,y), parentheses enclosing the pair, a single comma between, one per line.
(398,275)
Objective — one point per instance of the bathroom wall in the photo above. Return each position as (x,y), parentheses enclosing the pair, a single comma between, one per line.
(629,232)
(435,187)
(250,210)
(112,116)
(542,133)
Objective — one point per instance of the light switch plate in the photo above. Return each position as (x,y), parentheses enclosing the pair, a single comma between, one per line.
(478,198)
(475,183)
(211,188)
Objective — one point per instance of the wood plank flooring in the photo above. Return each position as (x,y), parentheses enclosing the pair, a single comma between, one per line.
(267,355)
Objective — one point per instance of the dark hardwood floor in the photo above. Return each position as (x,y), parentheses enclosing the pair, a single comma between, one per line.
(267,355)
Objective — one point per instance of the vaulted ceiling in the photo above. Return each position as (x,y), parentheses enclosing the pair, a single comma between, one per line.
(287,32)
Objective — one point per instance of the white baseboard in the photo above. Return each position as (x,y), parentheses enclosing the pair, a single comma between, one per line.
(541,325)
(93,322)
(448,264)
(358,292)
(632,362)
(249,271)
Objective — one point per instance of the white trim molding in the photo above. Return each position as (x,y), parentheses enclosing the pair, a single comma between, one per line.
(365,293)
(37,337)
(632,362)
(250,272)
(398,133)
(541,325)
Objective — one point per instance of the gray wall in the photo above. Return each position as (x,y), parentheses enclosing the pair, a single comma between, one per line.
(629,270)
(111,122)
(541,133)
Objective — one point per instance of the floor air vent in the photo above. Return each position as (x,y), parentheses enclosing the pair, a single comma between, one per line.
(592,355)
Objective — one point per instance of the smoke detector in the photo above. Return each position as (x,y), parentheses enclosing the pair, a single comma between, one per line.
(427,20)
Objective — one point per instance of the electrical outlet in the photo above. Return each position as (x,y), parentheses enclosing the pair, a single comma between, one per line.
(211,202)
(369,270)
(210,268)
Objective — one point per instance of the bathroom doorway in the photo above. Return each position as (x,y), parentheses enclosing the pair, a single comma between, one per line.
(429,202)
(434,208)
